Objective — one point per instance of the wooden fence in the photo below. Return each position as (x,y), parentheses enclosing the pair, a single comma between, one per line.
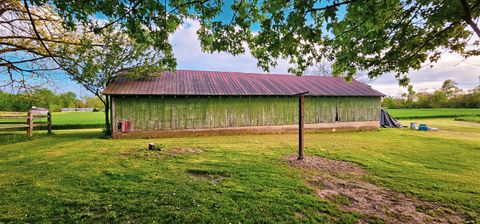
(11,120)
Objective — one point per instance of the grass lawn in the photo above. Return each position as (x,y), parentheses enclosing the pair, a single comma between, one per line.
(74,176)
(432,113)
(76,120)
(469,118)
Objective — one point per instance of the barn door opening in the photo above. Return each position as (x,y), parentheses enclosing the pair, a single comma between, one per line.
(337,118)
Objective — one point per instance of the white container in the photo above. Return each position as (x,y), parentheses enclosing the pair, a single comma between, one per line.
(413,125)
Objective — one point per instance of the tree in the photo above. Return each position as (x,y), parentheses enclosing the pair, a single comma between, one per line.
(449,87)
(119,56)
(95,102)
(31,38)
(5,101)
(34,34)
(68,99)
(392,103)
(373,36)
(42,97)
(449,95)
(324,68)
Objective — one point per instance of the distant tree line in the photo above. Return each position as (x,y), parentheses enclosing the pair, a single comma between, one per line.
(448,96)
(41,97)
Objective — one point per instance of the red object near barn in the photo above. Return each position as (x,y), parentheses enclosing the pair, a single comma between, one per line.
(124,126)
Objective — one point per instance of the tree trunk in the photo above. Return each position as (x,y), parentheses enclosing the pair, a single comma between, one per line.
(474,27)
(468,17)
(108,129)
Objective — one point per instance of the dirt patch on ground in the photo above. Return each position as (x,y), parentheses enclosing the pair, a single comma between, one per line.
(181,150)
(344,183)
(215,176)
(141,153)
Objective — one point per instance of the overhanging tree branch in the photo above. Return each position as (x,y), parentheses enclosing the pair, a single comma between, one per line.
(468,17)
(21,61)
(119,18)
(330,6)
(46,40)
(50,53)
(186,4)
(18,47)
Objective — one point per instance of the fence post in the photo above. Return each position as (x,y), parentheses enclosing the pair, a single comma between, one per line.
(30,124)
(49,122)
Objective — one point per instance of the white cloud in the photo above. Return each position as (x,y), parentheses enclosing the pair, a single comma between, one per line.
(451,66)
(190,56)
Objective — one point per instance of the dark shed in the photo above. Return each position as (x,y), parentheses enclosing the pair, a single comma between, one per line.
(206,101)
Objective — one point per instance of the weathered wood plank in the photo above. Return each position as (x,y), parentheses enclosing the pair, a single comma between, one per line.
(14,127)
(13,117)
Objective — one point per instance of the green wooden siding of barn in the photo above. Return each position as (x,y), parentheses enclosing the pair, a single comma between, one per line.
(151,113)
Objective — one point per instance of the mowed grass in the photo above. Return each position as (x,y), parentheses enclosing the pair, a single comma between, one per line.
(469,118)
(433,113)
(77,120)
(74,176)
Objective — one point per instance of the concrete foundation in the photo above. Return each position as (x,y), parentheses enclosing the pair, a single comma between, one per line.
(320,127)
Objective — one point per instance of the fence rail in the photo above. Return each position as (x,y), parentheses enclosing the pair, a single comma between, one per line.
(29,124)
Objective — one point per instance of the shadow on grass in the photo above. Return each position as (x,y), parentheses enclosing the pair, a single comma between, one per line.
(72,126)
(20,136)
(9,138)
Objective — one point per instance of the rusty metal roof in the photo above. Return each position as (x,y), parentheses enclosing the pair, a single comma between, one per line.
(191,82)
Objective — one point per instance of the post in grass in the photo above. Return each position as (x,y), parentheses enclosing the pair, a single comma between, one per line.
(49,122)
(301,123)
(30,123)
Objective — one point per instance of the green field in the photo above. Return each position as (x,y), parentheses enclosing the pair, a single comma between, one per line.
(76,120)
(432,113)
(469,118)
(74,176)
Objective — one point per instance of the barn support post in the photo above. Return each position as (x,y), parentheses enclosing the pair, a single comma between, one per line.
(112,115)
(108,127)
(301,124)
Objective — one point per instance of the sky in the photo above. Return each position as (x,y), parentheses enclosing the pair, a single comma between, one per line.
(190,56)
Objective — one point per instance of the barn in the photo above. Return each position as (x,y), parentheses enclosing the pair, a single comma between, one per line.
(205,102)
